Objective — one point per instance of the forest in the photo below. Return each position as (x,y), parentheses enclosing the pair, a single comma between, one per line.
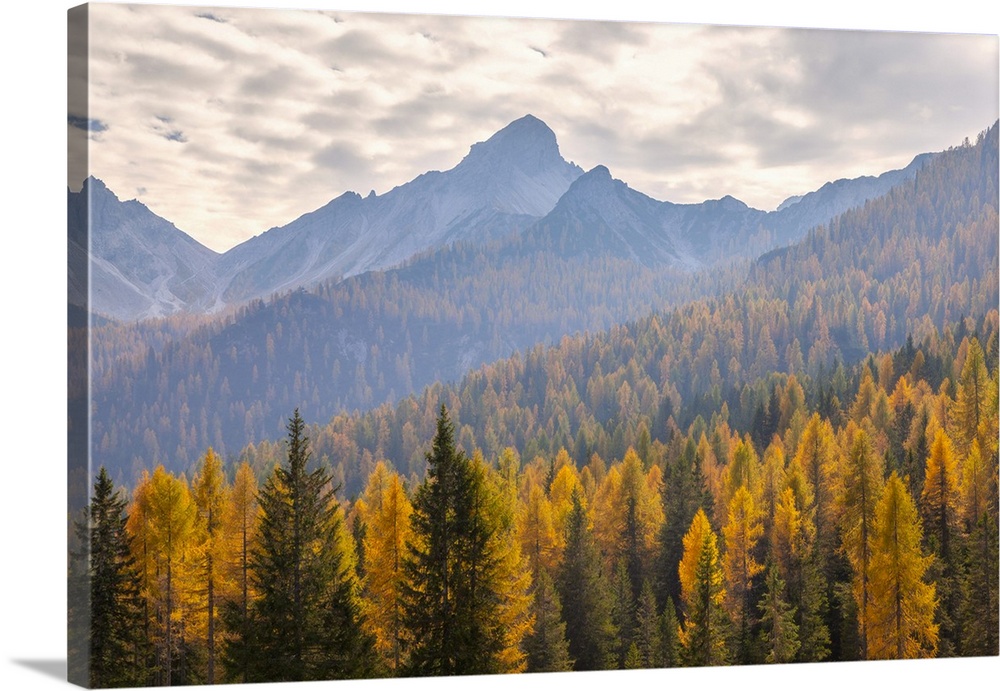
(794,460)
(862,530)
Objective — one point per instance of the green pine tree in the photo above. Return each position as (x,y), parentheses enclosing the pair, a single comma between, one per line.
(546,646)
(670,644)
(108,585)
(648,636)
(979,611)
(780,634)
(305,623)
(622,611)
(583,590)
(683,494)
(706,632)
(458,602)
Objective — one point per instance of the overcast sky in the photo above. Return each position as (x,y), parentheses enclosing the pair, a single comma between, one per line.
(230,121)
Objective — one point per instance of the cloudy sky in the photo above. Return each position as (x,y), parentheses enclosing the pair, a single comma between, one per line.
(230,121)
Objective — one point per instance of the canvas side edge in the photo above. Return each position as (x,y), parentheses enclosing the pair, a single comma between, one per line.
(78,349)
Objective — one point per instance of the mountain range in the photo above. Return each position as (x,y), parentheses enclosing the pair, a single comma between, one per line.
(514,186)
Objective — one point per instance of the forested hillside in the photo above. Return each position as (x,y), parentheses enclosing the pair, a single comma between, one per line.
(904,267)
(378,337)
(861,527)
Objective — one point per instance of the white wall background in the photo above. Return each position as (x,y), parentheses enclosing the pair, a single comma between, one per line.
(32,331)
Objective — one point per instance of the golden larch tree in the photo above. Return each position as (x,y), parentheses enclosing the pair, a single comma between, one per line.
(242,517)
(741,567)
(536,531)
(901,605)
(862,490)
(939,499)
(386,512)
(211,496)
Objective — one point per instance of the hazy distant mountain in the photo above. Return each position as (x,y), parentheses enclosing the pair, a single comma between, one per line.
(515,183)
(600,215)
(141,265)
(501,186)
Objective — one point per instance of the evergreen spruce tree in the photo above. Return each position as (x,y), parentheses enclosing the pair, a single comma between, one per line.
(683,494)
(979,611)
(780,633)
(546,646)
(670,643)
(648,636)
(462,593)
(622,610)
(583,591)
(109,583)
(305,623)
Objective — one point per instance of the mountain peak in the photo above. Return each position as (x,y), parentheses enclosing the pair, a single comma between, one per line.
(526,143)
(96,185)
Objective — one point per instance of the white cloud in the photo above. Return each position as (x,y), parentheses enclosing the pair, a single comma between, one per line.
(235,120)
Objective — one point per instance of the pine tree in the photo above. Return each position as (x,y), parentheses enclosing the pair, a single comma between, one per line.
(683,495)
(982,592)
(109,582)
(465,603)
(670,636)
(648,636)
(780,632)
(546,646)
(622,610)
(795,559)
(305,623)
(583,591)
(901,606)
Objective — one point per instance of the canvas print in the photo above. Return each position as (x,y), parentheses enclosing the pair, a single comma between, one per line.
(411,345)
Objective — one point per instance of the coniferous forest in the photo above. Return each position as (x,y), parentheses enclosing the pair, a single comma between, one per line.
(794,460)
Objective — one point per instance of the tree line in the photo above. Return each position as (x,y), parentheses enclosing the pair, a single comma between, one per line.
(861,529)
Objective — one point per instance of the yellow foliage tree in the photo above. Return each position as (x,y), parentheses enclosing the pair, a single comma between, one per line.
(862,490)
(815,455)
(743,470)
(741,533)
(940,496)
(564,484)
(242,517)
(162,522)
(386,512)
(901,607)
(211,497)
(537,533)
